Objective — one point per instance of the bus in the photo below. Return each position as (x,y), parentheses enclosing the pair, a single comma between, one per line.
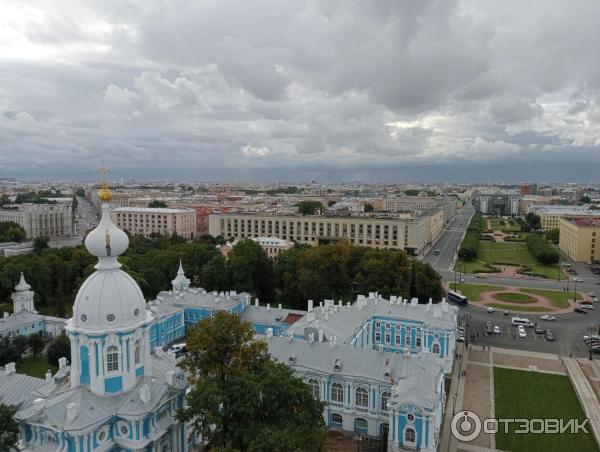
(457,298)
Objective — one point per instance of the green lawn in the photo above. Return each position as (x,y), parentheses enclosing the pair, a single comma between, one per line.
(507,224)
(533,395)
(557,298)
(514,253)
(35,367)
(514,297)
(473,267)
(6,307)
(473,291)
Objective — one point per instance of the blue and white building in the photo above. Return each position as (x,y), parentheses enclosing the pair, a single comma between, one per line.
(115,395)
(378,364)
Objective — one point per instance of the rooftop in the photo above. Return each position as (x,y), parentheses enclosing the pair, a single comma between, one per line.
(161,210)
(585,222)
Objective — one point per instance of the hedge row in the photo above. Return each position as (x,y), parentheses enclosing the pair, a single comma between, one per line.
(470,245)
(542,250)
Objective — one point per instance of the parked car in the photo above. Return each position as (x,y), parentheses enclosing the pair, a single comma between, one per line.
(578,279)
(522,333)
(491,310)
(549,335)
(538,330)
(580,310)
(588,306)
(547,317)
(506,312)
(497,331)
(489,329)
(460,338)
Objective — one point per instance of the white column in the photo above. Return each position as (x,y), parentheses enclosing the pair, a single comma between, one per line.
(75,367)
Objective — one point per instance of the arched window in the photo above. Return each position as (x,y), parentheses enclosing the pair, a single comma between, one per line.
(385,396)
(336,419)
(112,358)
(361,398)
(361,425)
(337,393)
(136,352)
(314,384)
(435,348)
(410,436)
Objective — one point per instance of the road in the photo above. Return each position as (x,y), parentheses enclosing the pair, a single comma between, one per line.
(86,217)
(449,241)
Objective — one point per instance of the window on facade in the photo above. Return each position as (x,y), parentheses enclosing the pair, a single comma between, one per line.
(136,352)
(377,337)
(410,436)
(407,327)
(112,358)
(314,384)
(418,344)
(377,324)
(407,341)
(398,337)
(435,348)
(337,393)
(387,338)
(385,396)
(362,398)
(336,418)
(360,424)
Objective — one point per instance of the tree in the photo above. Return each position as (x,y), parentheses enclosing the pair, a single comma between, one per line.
(309,207)
(369,207)
(11,232)
(40,244)
(330,203)
(60,347)
(155,204)
(4,199)
(552,235)
(250,269)
(9,428)
(214,274)
(585,199)
(242,400)
(35,343)
(534,221)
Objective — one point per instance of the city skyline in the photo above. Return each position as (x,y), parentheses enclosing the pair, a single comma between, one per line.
(462,91)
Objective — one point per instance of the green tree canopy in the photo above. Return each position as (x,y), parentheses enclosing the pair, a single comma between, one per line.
(40,243)
(240,398)
(9,428)
(250,269)
(309,207)
(35,343)
(155,204)
(60,347)
(369,207)
(552,235)
(11,232)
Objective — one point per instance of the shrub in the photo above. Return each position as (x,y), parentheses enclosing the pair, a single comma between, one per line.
(542,250)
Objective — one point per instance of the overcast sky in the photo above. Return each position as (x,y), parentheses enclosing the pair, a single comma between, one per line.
(291,90)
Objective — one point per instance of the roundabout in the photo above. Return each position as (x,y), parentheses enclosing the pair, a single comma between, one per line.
(514,297)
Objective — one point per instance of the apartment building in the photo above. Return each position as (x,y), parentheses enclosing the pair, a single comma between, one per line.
(550,216)
(498,203)
(421,203)
(409,234)
(50,220)
(147,221)
(579,238)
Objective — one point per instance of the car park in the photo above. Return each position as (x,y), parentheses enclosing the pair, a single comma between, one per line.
(491,310)
(549,335)
(547,317)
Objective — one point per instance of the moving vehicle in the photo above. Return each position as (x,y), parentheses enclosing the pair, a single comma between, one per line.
(491,310)
(522,322)
(578,279)
(549,335)
(457,298)
(481,275)
(436,252)
(580,310)
(547,317)
(521,330)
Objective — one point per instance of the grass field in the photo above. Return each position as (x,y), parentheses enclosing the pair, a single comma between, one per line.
(533,395)
(473,267)
(6,307)
(514,253)
(558,299)
(473,291)
(35,367)
(495,223)
(514,297)
(518,308)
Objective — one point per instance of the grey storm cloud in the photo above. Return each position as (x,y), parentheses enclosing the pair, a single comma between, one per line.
(232,88)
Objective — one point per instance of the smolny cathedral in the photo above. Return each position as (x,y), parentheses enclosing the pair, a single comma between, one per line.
(380,364)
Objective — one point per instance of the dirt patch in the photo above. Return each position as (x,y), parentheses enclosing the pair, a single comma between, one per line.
(523,362)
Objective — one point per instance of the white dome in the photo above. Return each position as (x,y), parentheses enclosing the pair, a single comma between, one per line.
(106,240)
(109,299)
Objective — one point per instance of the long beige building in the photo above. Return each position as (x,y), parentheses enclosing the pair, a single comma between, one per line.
(50,220)
(550,216)
(579,238)
(147,221)
(409,234)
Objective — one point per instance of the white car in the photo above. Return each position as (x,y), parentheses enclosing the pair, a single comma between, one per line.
(522,333)
(588,306)
(491,310)
(547,317)
(497,331)
(577,279)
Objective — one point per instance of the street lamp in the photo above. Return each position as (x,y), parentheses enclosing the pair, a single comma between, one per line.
(590,341)
(575,292)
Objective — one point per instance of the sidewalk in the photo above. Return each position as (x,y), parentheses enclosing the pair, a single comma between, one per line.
(585,394)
